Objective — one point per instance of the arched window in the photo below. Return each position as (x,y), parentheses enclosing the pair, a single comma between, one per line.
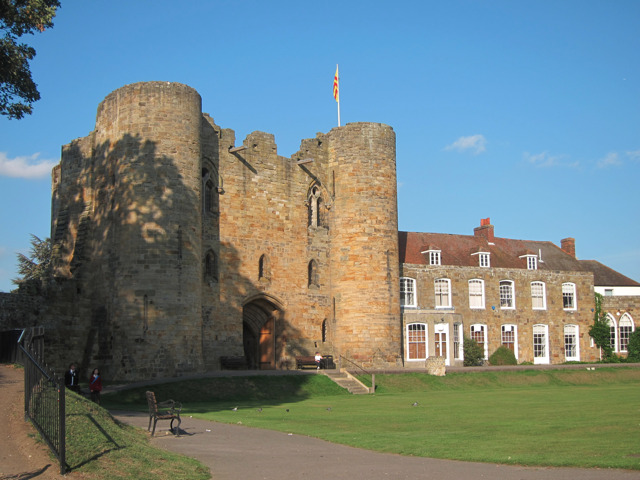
(211,267)
(613,329)
(264,268)
(571,344)
(315,207)
(209,192)
(313,274)
(625,329)
(507,294)
(540,344)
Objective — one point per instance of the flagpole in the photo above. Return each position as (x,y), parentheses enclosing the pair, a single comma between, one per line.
(336,91)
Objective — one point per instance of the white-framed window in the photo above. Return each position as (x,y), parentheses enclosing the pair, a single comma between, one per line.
(443,293)
(569,296)
(484,259)
(571,344)
(538,296)
(407,292)
(417,341)
(625,329)
(540,344)
(507,294)
(479,334)
(476,293)
(457,341)
(613,330)
(509,338)
(434,257)
(532,262)
(608,292)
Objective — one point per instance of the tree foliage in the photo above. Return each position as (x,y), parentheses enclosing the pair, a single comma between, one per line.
(17,18)
(473,353)
(633,347)
(503,356)
(600,330)
(35,270)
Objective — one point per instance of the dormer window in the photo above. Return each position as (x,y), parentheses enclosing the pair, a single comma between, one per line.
(433,256)
(532,261)
(484,259)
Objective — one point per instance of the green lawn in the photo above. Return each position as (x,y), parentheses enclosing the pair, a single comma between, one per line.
(557,417)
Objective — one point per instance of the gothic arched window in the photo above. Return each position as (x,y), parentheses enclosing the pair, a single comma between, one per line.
(313,274)
(211,267)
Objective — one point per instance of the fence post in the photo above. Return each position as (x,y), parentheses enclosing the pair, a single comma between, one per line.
(62,431)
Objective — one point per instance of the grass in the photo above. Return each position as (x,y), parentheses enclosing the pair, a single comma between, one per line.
(102,448)
(537,417)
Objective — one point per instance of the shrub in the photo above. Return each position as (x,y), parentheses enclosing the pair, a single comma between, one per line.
(634,347)
(503,356)
(473,353)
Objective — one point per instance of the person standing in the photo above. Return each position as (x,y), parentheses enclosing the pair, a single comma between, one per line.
(95,386)
(71,379)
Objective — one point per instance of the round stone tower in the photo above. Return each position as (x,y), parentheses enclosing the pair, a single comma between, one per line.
(147,215)
(364,238)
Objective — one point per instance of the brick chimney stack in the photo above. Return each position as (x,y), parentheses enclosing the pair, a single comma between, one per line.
(484,230)
(568,245)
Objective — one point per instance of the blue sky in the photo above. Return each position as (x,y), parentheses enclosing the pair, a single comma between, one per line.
(527,112)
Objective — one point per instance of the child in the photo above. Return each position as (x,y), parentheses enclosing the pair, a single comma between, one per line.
(95,386)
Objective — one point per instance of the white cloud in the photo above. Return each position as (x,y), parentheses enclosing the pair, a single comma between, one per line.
(611,159)
(545,159)
(475,143)
(25,167)
(634,155)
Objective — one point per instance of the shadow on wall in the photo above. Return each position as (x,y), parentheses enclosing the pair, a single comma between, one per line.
(131,231)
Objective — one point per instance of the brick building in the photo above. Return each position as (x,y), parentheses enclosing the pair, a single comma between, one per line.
(175,246)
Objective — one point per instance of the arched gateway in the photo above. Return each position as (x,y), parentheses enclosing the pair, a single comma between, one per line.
(261,324)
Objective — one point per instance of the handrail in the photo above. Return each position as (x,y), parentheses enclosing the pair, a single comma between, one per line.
(373,375)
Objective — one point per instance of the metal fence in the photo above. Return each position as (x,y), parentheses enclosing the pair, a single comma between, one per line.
(44,395)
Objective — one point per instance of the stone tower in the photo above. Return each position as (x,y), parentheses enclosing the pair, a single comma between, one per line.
(364,237)
(139,258)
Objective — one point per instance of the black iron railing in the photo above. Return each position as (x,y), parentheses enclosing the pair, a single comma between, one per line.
(44,403)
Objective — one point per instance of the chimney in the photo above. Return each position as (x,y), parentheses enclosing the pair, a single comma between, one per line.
(568,245)
(484,230)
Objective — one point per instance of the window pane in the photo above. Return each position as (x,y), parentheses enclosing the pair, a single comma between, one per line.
(506,294)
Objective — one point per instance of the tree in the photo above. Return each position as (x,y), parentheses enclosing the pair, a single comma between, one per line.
(17,18)
(633,348)
(600,330)
(36,270)
(473,353)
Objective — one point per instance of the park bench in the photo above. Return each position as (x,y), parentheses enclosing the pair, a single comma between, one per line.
(303,361)
(167,410)
(233,362)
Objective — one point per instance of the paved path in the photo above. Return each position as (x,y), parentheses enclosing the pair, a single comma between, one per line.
(234,452)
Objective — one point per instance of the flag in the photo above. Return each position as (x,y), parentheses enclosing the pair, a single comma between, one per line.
(336,93)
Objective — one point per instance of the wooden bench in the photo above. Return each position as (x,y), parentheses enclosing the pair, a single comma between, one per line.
(167,410)
(306,361)
(310,361)
(233,363)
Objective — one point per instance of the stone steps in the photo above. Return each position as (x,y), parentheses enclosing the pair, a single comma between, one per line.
(346,380)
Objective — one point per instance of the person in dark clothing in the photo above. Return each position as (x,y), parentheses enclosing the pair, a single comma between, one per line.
(71,379)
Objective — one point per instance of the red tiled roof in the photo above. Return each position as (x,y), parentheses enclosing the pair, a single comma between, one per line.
(457,250)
